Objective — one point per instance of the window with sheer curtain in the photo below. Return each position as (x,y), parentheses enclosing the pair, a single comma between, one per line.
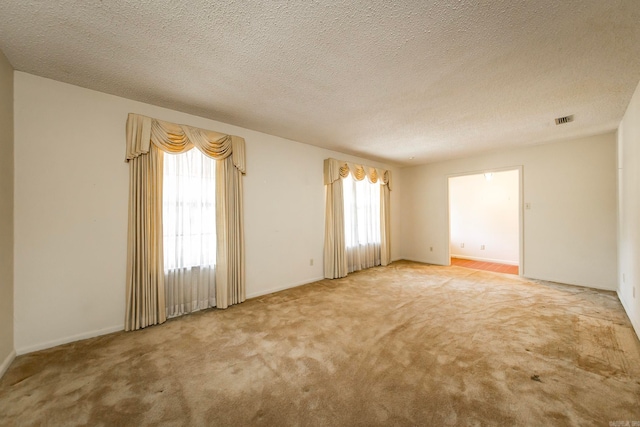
(361,223)
(193,279)
(189,232)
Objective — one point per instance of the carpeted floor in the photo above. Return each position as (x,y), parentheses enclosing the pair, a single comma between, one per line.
(408,344)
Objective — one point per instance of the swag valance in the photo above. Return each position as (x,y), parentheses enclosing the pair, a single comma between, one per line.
(336,169)
(142,131)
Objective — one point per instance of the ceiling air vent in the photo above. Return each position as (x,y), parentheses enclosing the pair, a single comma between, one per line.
(563,120)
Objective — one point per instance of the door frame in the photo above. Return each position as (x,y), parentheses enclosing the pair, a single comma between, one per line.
(520,170)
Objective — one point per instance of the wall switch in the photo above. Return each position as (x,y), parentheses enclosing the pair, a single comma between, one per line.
(634,292)
(311,261)
(622,277)
(482,247)
(431,248)
(462,245)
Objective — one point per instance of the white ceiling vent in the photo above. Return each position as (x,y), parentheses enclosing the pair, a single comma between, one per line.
(563,120)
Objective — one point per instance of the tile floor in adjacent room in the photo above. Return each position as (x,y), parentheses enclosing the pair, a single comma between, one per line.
(487,266)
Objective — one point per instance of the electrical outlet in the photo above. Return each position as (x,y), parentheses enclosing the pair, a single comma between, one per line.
(482,247)
(311,261)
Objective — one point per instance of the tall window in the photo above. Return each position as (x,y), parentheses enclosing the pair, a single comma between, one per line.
(361,223)
(186,191)
(189,231)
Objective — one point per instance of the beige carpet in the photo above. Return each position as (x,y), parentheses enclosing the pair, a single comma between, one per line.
(408,344)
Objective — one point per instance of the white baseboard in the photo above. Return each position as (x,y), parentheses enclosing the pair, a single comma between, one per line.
(293,285)
(282,288)
(635,324)
(474,258)
(72,338)
(7,362)
(422,261)
(96,333)
(568,282)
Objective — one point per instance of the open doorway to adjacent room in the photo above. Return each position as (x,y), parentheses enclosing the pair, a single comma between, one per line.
(485,221)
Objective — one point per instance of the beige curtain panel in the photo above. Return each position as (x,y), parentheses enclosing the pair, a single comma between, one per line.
(335,257)
(147,140)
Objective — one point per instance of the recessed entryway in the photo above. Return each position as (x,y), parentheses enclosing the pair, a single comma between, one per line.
(485,221)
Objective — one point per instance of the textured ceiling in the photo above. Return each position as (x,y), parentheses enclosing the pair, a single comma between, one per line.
(384,80)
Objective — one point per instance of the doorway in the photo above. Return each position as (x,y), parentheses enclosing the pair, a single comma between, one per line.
(485,221)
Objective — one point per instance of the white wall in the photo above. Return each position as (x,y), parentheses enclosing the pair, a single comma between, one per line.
(629,211)
(6,213)
(485,213)
(71,190)
(570,230)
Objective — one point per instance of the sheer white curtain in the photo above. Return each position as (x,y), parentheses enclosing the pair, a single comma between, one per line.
(189,232)
(361,223)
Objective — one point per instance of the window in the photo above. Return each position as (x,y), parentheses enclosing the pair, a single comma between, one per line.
(361,223)
(189,232)
(173,201)
(189,210)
